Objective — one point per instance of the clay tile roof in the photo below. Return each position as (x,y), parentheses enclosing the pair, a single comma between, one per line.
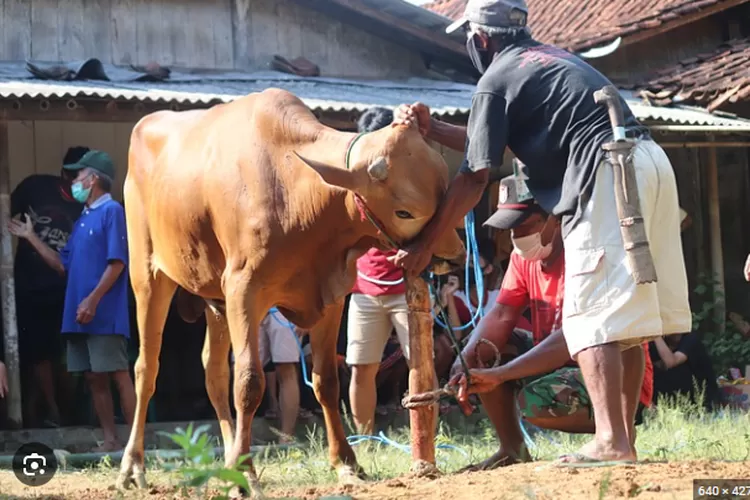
(707,80)
(581,24)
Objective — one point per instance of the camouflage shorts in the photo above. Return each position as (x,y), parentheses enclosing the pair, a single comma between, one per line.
(556,394)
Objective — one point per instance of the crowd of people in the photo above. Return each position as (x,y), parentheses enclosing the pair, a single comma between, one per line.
(582,348)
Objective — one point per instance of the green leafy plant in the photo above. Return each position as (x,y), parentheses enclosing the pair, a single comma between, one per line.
(200,466)
(728,348)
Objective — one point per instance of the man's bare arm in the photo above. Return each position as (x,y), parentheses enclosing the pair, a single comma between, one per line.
(50,256)
(496,327)
(463,194)
(550,354)
(669,358)
(452,136)
(109,277)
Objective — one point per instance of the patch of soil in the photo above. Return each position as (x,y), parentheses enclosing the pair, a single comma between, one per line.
(539,480)
(544,481)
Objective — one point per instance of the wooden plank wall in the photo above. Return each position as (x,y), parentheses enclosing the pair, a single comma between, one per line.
(38,147)
(220,34)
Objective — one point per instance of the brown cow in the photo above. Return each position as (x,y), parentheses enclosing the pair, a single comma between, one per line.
(255,204)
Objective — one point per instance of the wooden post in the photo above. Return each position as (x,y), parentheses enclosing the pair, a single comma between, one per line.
(717,254)
(421,376)
(7,287)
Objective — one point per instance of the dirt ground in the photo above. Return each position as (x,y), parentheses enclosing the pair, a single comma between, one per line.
(543,481)
(534,481)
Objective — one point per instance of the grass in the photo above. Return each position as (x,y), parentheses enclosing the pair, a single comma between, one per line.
(677,430)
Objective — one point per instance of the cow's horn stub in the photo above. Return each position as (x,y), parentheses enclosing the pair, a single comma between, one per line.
(378,169)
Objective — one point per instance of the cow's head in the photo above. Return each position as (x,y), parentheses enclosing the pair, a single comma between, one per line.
(402,181)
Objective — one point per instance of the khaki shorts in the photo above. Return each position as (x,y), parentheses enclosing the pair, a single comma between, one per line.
(602,303)
(276,341)
(370,323)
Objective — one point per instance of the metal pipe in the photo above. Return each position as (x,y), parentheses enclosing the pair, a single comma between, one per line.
(714,227)
(8,288)
(736,144)
(71,104)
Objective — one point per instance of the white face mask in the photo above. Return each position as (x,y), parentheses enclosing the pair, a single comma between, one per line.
(530,247)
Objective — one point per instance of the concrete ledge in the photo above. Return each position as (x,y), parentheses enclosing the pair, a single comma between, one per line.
(83,439)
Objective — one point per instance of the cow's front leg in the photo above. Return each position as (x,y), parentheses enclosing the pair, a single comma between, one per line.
(243,318)
(325,381)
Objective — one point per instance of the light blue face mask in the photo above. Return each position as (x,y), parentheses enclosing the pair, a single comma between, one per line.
(80,193)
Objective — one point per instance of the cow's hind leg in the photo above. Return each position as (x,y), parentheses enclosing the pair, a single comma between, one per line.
(325,381)
(243,317)
(216,366)
(153,296)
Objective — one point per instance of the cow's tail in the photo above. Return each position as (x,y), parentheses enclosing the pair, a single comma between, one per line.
(190,307)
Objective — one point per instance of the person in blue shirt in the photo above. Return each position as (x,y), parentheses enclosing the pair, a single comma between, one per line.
(95,322)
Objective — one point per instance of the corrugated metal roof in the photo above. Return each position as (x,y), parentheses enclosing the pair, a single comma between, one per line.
(324,94)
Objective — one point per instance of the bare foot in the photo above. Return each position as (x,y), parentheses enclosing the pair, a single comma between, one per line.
(600,451)
(500,459)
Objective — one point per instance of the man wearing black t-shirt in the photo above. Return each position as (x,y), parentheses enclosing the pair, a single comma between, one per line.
(40,291)
(538,101)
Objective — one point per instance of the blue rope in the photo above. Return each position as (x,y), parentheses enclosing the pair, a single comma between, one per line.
(472,257)
(357,439)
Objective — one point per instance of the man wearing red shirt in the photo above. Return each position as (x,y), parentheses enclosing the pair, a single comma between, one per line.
(537,369)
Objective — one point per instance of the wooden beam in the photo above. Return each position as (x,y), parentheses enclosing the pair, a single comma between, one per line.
(681,21)
(8,287)
(717,252)
(421,376)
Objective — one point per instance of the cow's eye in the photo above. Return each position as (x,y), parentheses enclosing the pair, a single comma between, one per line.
(403,214)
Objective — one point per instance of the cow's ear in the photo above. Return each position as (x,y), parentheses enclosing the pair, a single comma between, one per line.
(335,176)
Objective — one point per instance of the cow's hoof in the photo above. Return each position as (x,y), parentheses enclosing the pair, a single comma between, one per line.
(139,477)
(421,468)
(351,475)
(123,481)
(128,477)
(255,493)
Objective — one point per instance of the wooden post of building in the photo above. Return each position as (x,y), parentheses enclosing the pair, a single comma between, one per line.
(421,375)
(7,287)
(714,226)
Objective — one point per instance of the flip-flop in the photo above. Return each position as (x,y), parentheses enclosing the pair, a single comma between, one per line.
(504,461)
(585,462)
